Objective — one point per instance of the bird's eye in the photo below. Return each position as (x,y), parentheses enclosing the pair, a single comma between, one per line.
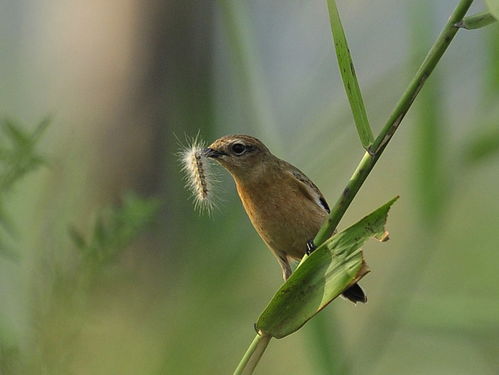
(238,148)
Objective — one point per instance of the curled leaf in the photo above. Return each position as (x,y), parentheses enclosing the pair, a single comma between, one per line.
(337,264)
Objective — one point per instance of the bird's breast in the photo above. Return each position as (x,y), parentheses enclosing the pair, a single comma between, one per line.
(282,215)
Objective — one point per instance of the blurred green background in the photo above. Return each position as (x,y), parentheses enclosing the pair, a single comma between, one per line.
(105,268)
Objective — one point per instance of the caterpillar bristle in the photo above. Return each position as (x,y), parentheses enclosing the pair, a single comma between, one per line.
(198,175)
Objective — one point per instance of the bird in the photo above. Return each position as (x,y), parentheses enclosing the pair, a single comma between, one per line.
(284,206)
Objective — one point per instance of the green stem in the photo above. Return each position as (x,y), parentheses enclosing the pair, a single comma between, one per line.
(252,355)
(359,176)
(370,158)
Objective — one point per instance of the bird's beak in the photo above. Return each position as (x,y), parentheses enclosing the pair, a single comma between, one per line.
(212,153)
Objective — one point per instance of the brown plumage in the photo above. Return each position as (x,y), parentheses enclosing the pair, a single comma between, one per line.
(284,206)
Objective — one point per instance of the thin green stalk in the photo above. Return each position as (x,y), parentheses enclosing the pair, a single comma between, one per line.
(370,158)
(252,355)
(338,210)
(347,72)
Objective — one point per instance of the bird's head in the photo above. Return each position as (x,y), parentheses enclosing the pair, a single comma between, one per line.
(241,155)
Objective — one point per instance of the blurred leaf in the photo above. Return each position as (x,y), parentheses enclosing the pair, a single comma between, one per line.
(18,156)
(483,146)
(493,6)
(323,276)
(77,238)
(349,78)
(100,234)
(21,157)
(115,228)
(477,21)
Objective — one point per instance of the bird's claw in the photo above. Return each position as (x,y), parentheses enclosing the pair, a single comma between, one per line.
(310,247)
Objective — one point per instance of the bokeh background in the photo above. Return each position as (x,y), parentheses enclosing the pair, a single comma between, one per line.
(105,268)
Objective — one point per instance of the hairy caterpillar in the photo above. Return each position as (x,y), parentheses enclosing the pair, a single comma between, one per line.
(198,175)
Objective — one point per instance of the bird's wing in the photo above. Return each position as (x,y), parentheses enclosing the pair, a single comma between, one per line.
(308,187)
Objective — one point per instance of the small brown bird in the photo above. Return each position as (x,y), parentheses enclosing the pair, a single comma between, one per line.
(284,206)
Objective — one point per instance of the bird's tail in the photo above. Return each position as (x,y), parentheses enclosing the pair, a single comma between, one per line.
(355,294)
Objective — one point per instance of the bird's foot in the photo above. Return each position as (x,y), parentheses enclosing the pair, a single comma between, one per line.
(310,247)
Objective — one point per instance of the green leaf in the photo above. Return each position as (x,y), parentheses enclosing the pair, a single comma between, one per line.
(477,21)
(349,78)
(323,276)
(493,6)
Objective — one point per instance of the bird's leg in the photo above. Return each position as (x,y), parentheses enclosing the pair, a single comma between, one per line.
(310,247)
(284,263)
